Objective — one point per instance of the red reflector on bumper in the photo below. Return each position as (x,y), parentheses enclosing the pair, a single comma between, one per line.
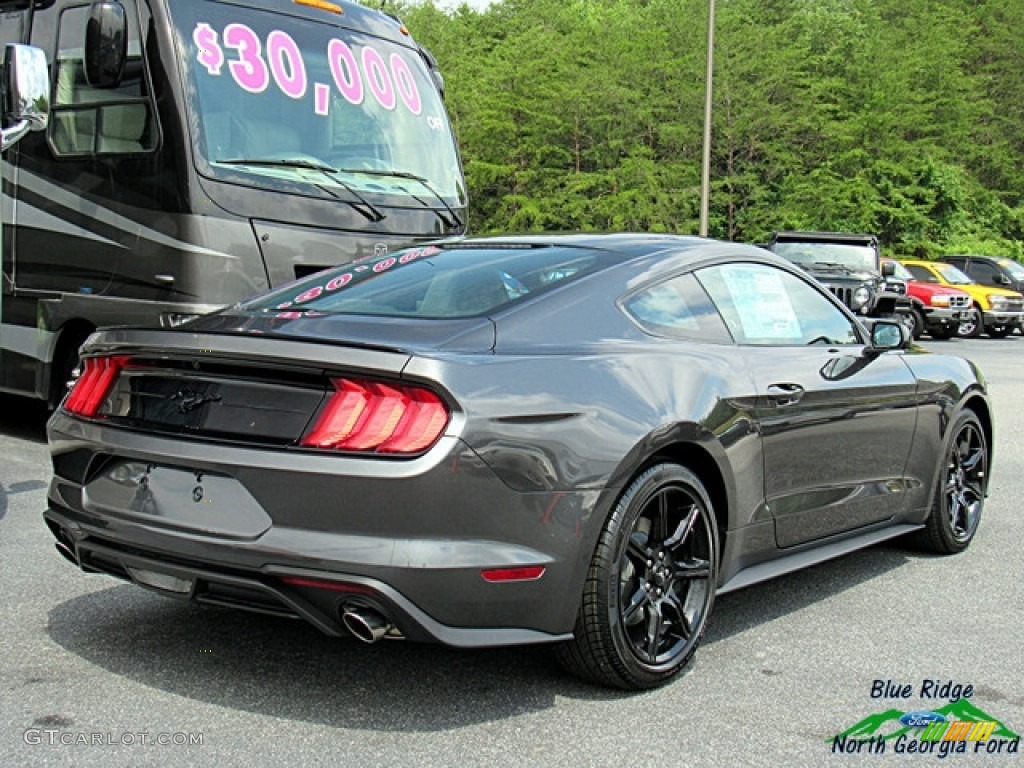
(526,573)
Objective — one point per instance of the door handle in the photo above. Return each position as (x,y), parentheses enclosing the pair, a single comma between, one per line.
(785,394)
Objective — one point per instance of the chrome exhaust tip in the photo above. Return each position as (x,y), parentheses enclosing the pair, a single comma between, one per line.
(365,623)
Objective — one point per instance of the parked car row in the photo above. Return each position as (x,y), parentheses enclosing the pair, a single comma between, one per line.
(994,304)
(959,295)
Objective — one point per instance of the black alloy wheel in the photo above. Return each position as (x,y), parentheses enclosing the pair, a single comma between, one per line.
(651,583)
(960,495)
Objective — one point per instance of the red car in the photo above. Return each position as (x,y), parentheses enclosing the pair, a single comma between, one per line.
(937,309)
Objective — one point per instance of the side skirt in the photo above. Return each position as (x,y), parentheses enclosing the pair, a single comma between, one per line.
(811,556)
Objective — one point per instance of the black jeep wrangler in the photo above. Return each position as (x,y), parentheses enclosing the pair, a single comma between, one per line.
(849,265)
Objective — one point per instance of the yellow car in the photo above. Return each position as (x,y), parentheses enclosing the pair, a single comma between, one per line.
(997,311)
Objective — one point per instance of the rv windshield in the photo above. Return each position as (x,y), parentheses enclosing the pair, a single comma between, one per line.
(281,97)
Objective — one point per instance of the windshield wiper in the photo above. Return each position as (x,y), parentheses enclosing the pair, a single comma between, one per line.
(279,162)
(831,264)
(363,206)
(451,220)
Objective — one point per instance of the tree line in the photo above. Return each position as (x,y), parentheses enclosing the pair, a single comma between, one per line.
(904,118)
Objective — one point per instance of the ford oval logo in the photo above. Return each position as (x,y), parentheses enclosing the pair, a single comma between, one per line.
(922,718)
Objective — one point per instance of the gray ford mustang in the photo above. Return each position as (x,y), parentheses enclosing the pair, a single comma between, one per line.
(574,439)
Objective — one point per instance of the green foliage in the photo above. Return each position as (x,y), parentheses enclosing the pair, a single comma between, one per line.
(901,118)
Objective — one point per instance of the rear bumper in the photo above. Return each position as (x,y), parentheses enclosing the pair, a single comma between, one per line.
(315,596)
(253,527)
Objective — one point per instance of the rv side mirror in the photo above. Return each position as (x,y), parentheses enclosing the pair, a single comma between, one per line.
(432,66)
(106,44)
(26,84)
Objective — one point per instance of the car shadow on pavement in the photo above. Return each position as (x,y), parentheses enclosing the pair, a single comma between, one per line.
(739,611)
(23,418)
(286,669)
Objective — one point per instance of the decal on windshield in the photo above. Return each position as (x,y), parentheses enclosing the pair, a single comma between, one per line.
(255,66)
(340,281)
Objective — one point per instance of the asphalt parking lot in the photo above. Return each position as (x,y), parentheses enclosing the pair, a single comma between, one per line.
(98,673)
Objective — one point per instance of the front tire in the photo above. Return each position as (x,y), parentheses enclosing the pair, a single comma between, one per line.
(960,495)
(972,327)
(916,322)
(650,586)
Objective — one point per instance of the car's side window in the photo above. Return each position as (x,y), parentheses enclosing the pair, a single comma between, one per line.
(983,273)
(767,306)
(922,273)
(677,307)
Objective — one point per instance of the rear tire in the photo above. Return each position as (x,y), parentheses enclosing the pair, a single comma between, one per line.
(650,586)
(960,494)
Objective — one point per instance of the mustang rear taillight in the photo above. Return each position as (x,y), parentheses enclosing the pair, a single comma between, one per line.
(93,386)
(372,416)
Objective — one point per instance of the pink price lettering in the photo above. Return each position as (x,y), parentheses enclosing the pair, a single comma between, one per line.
(389,81)
(210,55)
(340,281)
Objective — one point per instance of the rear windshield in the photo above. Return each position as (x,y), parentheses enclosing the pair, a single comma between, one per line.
(437,281)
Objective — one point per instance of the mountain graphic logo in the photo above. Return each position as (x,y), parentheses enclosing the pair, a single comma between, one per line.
(888,725)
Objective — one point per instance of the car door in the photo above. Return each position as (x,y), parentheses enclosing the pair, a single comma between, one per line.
(837,419)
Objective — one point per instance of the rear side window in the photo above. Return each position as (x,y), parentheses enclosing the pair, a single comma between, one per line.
(437,281)
(677,307)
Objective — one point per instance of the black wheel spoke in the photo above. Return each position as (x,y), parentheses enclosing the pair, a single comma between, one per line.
(975,461)
(693,568)
(683,529)
(637,550)
(685,631)
(659,529)
(629,615)
(655,628)
(974,491)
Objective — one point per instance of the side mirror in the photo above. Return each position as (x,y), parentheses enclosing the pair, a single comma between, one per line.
(888,269)
(889,334)
(106,44)
(432,66)
(28,88)
(1003,279)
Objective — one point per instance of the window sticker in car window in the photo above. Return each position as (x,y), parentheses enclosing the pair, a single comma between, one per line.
(762,303)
